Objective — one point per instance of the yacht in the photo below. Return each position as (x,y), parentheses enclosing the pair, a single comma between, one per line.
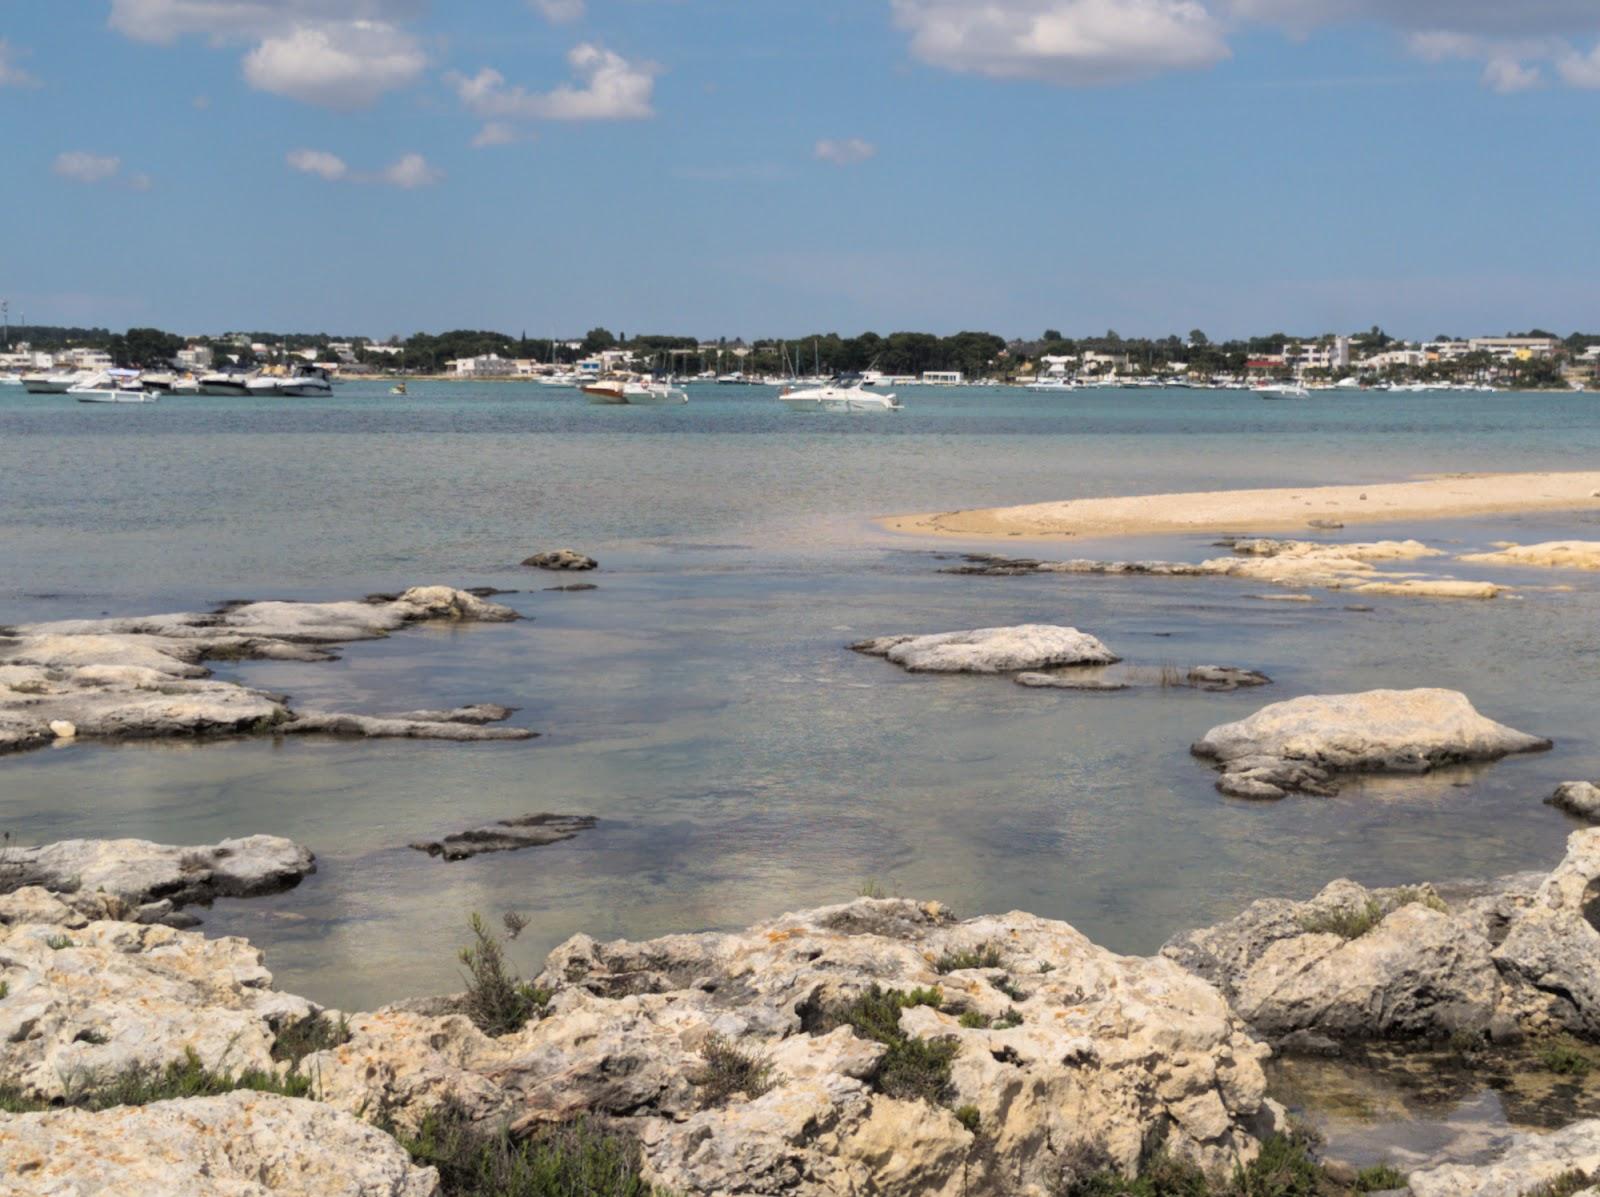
(226,382)
(737,379)
(632,392)
(1281,390)
(305,382)
(112,386)
(187,385)
(1053,383)
(161,381)
(52,384)
(842,394)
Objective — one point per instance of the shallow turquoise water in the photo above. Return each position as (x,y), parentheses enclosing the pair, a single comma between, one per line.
(701,702)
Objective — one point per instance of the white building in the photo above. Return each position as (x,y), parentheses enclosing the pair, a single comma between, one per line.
(488,365)
(943,378)
(1517,348)
(195,357)
(1330,354)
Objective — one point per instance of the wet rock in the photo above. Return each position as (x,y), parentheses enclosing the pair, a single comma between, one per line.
(508,835)
(575,588)
(242,1144)
(401,727)
(95,998)
(1302,745)
(1077,1046)
(1066,681)
(562,559)
(1213,678)
(1554,554)
(146,677)
(1532,1161)
(991,650)
(1579,798)
(1505,959)
(1225,678)
(138,873)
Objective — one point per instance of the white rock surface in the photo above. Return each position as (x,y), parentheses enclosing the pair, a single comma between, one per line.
(235,1145)
(1531,1161)
(1303,744)
(991,650)
(146,677)
(1581,798)
(1552,554)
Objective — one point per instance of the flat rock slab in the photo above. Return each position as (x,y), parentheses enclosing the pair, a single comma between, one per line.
(1553,554)
(147,676)
(508,835)
(240,1144)
(1302,745)
(1211,678)
(991,650)
(153,880)
(562,559)
(1530,1164)
(1579,798)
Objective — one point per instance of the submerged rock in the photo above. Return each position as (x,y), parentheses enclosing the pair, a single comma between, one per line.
(1532,1162)
(562,559)
(508,835)
(1068,681)
(1211,678)
(1513,958)
(1064,1047)
(153,880)
(242,1144)
(991,650)
(146,676)
(1302,745)
(1552,554)
(1579,798)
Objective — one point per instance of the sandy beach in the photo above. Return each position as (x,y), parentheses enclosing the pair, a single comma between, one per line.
(1277,510)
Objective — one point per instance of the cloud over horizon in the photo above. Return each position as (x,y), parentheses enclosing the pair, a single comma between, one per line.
(612,88)
(407,172)
(849,152)
(12,75)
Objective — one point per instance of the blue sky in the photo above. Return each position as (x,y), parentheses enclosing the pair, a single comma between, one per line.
(771,167)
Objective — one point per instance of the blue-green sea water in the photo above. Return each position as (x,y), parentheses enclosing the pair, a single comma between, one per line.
(701,702)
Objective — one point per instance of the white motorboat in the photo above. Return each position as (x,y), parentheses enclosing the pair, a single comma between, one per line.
(52,384)
(632,392)
(838,395)
(112,386)
(567,380)
(305,382)
(1053,384)
(1282,390)
(187,385)
(10,380)
(159,380)
(225,382)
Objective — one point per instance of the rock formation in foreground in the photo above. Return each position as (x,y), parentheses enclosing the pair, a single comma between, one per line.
(1304,744)
(1570,1155)
(1517,957)
(145,676)
(1293,563)
(991,650)
(1552,554)
(1581,798)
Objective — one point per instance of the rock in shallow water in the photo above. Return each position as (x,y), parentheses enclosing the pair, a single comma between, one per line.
(1579,798)
(991,650)
(562,559)
(1302,745)
(239,1144)
(508,835)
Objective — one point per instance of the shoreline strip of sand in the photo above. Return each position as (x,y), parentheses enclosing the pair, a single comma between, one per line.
(1283,509)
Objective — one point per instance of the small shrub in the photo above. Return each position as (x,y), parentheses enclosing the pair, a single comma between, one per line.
(92,1037)
(1011,1018)
(140,1085)
(497,1001)
(574,1160)
(1378,1178)
(1009,987)
(1564,1058)
(974,1021)
(1161,1176)
(30,687)
(983,956)
(1347,924)
(728,1071)
(57,943)
(1046,967)
(514,923)
(1409,895)
(917,1068)
(969,1117)
(1565,1185)
(307,1036)
(870,888)
(1284,1168)
(5,990)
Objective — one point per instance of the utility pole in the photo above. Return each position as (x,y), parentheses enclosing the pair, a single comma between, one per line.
(5,314)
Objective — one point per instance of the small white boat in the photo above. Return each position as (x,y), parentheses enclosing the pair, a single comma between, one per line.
(187,385)
(1053,384)
(839,395)
(226,382)
(10,380)
(399,388)
(112,386)
(632,392)
(1281,390)
(52,384)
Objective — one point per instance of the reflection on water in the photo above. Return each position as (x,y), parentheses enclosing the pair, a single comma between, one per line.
(701,701)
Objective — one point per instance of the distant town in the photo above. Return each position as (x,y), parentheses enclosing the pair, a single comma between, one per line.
(1532,360)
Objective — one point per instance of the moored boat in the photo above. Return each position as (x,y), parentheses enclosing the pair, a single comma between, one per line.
(840,395)
(225,382)
(632,392)
(112,386)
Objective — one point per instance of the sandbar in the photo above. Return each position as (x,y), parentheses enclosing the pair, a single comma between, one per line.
(1274,510)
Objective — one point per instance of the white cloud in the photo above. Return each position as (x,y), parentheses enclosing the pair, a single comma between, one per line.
(1507,75)
(559,12)
(613,89)
(412,170)
(494,133)
(408,171)
(82,167)
(139,181)
(1062,41)
(845,153)
(318,162)
(336,53)
(11,75)
(1581,70)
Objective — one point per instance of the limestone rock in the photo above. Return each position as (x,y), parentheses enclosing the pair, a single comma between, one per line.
(991,650)
(136,872)
(146,676)
(100,997)
(562,559)
(1085,1047)
(1304,743)
(508,835)
(1552,554)
(1531,1161)
(1579,798)
(241,1144)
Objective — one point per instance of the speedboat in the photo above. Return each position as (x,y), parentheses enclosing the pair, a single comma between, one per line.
(306,382)
(1282,390)
(1053,384)
(51,384)
(10,380)
(225,382)
(162,381)
(112,386)
(632,392)
(839,395)
(187,385)
(399,388)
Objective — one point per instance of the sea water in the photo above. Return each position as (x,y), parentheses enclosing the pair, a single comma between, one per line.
(703,703)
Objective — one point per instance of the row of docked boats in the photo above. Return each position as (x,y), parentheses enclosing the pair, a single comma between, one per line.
(843,394)
(134,386)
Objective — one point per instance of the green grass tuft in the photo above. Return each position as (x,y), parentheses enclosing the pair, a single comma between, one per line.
(910,1068)
(306,1036)
(140,1086)
(1378,1178)
(969,1117)
(1347,924)
(1564,1058)
(729,1070)
(985,955)
(1564,1185)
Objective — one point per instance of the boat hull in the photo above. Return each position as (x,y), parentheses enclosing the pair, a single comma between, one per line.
(46,386)
(233,390)
(115,397)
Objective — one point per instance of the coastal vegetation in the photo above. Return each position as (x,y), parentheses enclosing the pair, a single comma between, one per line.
(497,1000)
(1285,1167)
(141,1085)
